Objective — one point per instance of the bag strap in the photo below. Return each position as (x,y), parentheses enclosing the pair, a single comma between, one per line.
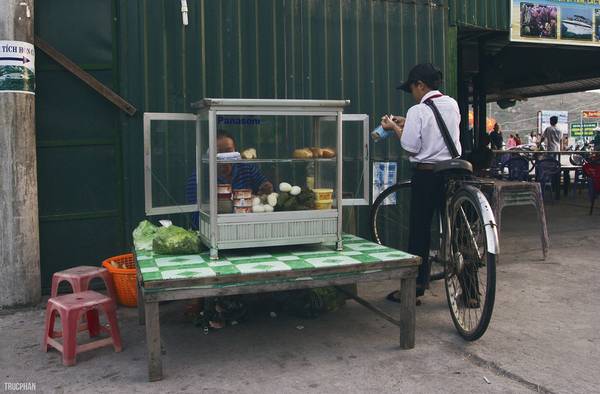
(443,129)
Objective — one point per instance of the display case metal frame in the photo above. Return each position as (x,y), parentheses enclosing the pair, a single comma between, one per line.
(233,231)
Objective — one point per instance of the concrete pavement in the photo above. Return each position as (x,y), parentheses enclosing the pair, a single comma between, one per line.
(543,336)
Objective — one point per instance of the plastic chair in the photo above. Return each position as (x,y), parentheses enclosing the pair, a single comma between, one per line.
(518,169)
(580,177)
(80,278)
(546,172)
(70,308)
(592,171)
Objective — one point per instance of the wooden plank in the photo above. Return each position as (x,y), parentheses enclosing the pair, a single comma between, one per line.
(86,77)
(153,295)
(408,299)
(369,306)
(140,303)
(153,341)
(266,276)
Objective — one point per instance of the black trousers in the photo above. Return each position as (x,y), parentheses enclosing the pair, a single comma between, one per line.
(426,198)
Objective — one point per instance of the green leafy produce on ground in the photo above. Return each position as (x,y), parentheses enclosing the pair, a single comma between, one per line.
(175,240)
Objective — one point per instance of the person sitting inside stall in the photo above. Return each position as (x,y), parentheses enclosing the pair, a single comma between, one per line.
(482,156)
(238,175)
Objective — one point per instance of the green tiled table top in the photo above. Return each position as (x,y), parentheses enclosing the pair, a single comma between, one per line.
(357,251)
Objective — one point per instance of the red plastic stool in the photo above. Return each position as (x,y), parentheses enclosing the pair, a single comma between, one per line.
(70,309)
(80,278)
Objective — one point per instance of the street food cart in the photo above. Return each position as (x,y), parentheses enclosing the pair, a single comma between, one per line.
(317,160)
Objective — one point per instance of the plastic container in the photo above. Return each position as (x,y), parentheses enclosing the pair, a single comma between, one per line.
(244,209)
(380,134)
(124,278)
(323,194)
(325,204)
(242,193)
(242,202)
(224,188)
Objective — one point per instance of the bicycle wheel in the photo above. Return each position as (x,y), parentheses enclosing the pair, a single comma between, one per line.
(471,267)
(390,224)
(389,216)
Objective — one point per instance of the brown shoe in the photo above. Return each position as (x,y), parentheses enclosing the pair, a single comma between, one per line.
(394,296)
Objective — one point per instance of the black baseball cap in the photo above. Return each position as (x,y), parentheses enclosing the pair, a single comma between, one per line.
(425,72)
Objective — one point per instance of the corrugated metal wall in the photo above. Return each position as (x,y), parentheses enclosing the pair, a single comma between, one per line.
(480,14)
(330,49)
(91,156)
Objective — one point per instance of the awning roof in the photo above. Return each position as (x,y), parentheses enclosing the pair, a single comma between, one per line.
(516,70)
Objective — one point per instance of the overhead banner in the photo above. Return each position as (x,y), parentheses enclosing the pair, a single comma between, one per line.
(17,67)
(568,22)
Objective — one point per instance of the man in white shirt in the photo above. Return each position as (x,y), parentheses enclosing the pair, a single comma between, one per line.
(422,139)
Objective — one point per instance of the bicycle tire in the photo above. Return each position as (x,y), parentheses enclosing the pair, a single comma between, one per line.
(466,264)
(377,204)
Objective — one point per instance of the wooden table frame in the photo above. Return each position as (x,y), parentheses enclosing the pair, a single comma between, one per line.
(150,294)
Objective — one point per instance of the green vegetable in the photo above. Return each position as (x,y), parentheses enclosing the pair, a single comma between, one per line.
(175,240)
(290,204)
(281,200)
(143,235)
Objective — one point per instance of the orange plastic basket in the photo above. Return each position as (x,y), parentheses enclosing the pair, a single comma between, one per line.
(124,279)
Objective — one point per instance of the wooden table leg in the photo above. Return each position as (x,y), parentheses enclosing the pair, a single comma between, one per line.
(408,289)
(153,342)
(140,305)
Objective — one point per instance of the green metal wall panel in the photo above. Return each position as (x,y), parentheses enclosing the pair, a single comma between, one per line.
(480,14)
(330,49)
(78,138)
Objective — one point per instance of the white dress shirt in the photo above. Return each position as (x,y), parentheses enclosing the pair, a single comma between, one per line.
(422,137)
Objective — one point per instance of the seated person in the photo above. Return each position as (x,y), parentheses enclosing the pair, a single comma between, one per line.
(239,175)
(481,157)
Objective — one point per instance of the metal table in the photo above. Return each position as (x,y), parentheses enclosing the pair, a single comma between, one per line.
(167,278)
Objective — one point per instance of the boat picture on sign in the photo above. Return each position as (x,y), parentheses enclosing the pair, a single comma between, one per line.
(17,67)
(568,22)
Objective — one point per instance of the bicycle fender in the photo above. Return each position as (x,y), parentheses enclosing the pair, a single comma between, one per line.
(491,229)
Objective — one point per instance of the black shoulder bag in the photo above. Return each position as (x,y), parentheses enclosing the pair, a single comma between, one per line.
(444,130)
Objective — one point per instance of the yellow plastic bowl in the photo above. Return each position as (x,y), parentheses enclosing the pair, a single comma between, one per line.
(325,204)
(323,194)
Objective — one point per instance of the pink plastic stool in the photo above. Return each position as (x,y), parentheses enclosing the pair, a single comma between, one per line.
(70,309)
(80,277)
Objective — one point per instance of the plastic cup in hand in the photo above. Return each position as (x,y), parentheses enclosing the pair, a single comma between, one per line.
(380,134)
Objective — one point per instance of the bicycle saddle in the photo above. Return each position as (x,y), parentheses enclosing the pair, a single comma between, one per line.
(453,165)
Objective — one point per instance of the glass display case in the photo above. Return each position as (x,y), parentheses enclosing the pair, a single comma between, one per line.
(258,172)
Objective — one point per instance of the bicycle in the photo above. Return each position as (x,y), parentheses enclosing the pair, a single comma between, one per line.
(468,242)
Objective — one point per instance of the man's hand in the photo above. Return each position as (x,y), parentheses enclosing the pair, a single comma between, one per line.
(266,188)
(387,122)
(399,121)
(395,123)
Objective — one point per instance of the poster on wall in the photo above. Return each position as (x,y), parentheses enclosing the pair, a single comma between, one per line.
(544,120)
(384,175)
(17,67)
(568,22)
